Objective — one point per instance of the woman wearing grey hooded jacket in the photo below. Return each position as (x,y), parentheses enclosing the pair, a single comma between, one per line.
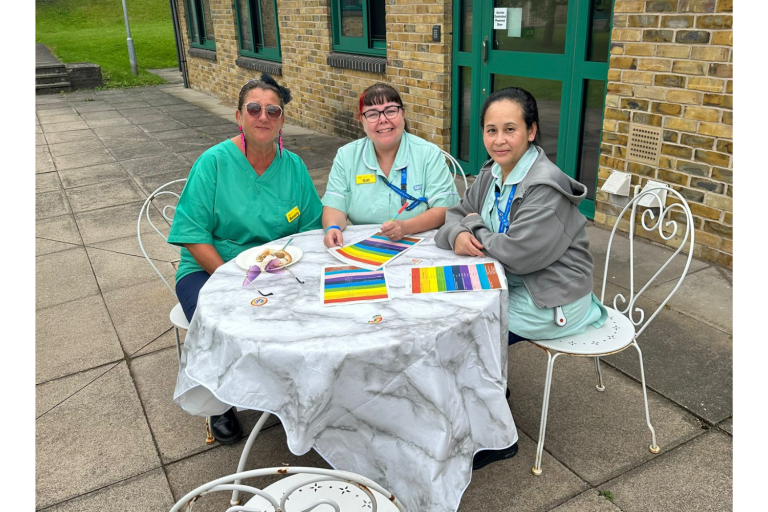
(523,211)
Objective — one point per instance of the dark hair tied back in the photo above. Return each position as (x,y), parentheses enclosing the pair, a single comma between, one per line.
(268,83)
(525,101)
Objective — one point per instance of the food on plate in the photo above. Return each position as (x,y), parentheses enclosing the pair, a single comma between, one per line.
(273,259)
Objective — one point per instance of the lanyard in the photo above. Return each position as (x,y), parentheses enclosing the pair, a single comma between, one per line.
(504,217)
(405,196)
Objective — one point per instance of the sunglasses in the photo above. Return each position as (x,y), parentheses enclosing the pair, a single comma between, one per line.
(273,111)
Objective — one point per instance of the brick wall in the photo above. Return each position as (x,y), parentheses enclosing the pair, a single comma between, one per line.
(326,97)
(671,66)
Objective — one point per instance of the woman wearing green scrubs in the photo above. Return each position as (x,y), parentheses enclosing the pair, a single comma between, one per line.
(241,193)
(388,170)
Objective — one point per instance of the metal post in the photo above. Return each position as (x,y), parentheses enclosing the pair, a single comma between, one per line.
(131,50)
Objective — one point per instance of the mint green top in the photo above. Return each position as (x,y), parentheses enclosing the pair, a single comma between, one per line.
(226,204)
(526,319)
(374,203)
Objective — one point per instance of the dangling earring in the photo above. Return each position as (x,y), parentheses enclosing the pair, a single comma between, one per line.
(280,141)
(242,138)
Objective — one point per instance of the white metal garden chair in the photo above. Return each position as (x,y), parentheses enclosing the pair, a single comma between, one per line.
(161,194)
(307,489)
(625,321)
(455,167)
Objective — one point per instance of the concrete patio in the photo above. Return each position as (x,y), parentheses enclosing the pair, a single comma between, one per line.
(109,436)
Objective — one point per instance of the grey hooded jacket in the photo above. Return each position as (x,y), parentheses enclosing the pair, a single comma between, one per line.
(546,243)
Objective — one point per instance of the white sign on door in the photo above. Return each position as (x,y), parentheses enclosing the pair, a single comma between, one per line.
(500,18)
(514,21)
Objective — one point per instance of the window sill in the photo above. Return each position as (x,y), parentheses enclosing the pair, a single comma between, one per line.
(267,66)
(202,54)
(358,62)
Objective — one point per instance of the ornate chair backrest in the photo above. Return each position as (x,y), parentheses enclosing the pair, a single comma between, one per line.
(323,475)
(455,168)
(670,220)
(165,193)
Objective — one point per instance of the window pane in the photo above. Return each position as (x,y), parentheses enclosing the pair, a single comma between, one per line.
(268,24)
(547,94)
(466,26)
(532,26)
(245,25)
(378,25)
(591,127)
(465,100)
(208,21)
(600,33)
(193,23)
(352,18)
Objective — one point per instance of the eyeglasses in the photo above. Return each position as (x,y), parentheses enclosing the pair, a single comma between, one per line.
(273,111)
(389,113)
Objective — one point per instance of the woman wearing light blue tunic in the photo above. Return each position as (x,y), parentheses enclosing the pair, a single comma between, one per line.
(523,211)
(389,170)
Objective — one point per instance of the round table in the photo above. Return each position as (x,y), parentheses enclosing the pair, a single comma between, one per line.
(424,388)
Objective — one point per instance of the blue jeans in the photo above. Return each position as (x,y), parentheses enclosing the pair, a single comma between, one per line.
(188,289)
(514,338)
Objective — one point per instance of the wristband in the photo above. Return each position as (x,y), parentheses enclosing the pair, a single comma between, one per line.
(332,227)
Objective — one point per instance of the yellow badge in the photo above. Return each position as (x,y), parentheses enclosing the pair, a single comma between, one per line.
(293,214)
(363,179)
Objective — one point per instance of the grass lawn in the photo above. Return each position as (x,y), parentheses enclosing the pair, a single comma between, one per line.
(94,31)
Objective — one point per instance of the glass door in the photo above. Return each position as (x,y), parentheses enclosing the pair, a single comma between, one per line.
(556,49)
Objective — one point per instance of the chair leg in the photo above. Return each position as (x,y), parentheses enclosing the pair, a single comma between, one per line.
(600,386)
(208,434)
(178,342)
(654,448)
(544,408)
(246,451)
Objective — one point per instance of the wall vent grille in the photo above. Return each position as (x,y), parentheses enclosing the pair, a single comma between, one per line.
(644,144)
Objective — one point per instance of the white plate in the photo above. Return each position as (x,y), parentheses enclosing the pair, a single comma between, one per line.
(247,258)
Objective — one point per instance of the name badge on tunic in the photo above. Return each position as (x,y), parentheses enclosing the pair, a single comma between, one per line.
(293,214)
(364,179)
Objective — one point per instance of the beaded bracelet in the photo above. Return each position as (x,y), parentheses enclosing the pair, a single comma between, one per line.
(331,227)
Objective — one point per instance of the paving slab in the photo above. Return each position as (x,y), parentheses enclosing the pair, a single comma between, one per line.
(727,425)
(154,165)
(322,145)
(60,109)
(60,229)
(156,247)
(131,149)
(164,341)
(78,160)
(93,175)
(78,146)
(150,183)
(102,195)
(687,362)
(596,435)
(187,145)
(97,115)
(109,122)
(93,106)
(144,119)
(192,156)
(269,450)
(311,159)
(38,128)
(184,134)
(51,204)
(55,392)
(43,160)
(151,302)
(115,270)
(706,295)
(696,476)
(121,133)
(161,126)
(524,491)
(65,344)
(97,437)
(108,223)
(64,127)
(47,182)
(147,492)
(168,100)
(590,500)
(43,246)
(177,107)
(76,135)
(62,277)
(131,103)
(203,120)
(220,131)
(65,118)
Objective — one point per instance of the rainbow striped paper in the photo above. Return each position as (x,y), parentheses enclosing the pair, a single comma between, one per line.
(346,284)
(455,278)
(374,252)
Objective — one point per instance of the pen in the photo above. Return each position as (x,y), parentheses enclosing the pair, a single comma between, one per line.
(399,211)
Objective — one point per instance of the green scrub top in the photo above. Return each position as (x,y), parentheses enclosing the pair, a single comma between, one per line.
(526,319)
(355,184)
(226,204)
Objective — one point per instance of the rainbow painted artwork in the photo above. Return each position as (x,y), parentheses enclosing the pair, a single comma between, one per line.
(374,252)
(455,278)
(346,284)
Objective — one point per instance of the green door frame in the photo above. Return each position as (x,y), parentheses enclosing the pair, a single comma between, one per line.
(570,68)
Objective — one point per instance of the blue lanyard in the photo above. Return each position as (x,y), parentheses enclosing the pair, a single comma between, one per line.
(504,217)
(405,196)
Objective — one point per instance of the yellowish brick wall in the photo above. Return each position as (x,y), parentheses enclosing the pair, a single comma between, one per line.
(326,97)
(671,66)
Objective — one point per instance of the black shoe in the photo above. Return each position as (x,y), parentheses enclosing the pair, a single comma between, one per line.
(508,393)
(225,428)
(485,457)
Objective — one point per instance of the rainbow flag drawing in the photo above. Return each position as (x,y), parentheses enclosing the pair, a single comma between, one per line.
(346,284)
(374,252)
(454,278)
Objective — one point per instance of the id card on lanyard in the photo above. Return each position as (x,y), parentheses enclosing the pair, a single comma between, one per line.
(504,217)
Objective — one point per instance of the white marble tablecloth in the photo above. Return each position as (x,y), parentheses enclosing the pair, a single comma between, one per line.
(406,402)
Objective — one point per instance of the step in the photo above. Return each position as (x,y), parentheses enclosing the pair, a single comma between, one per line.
(51,75)
(52,88)
(44,68)
(51,79)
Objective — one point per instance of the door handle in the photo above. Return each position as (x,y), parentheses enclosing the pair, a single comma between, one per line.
(485,50)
